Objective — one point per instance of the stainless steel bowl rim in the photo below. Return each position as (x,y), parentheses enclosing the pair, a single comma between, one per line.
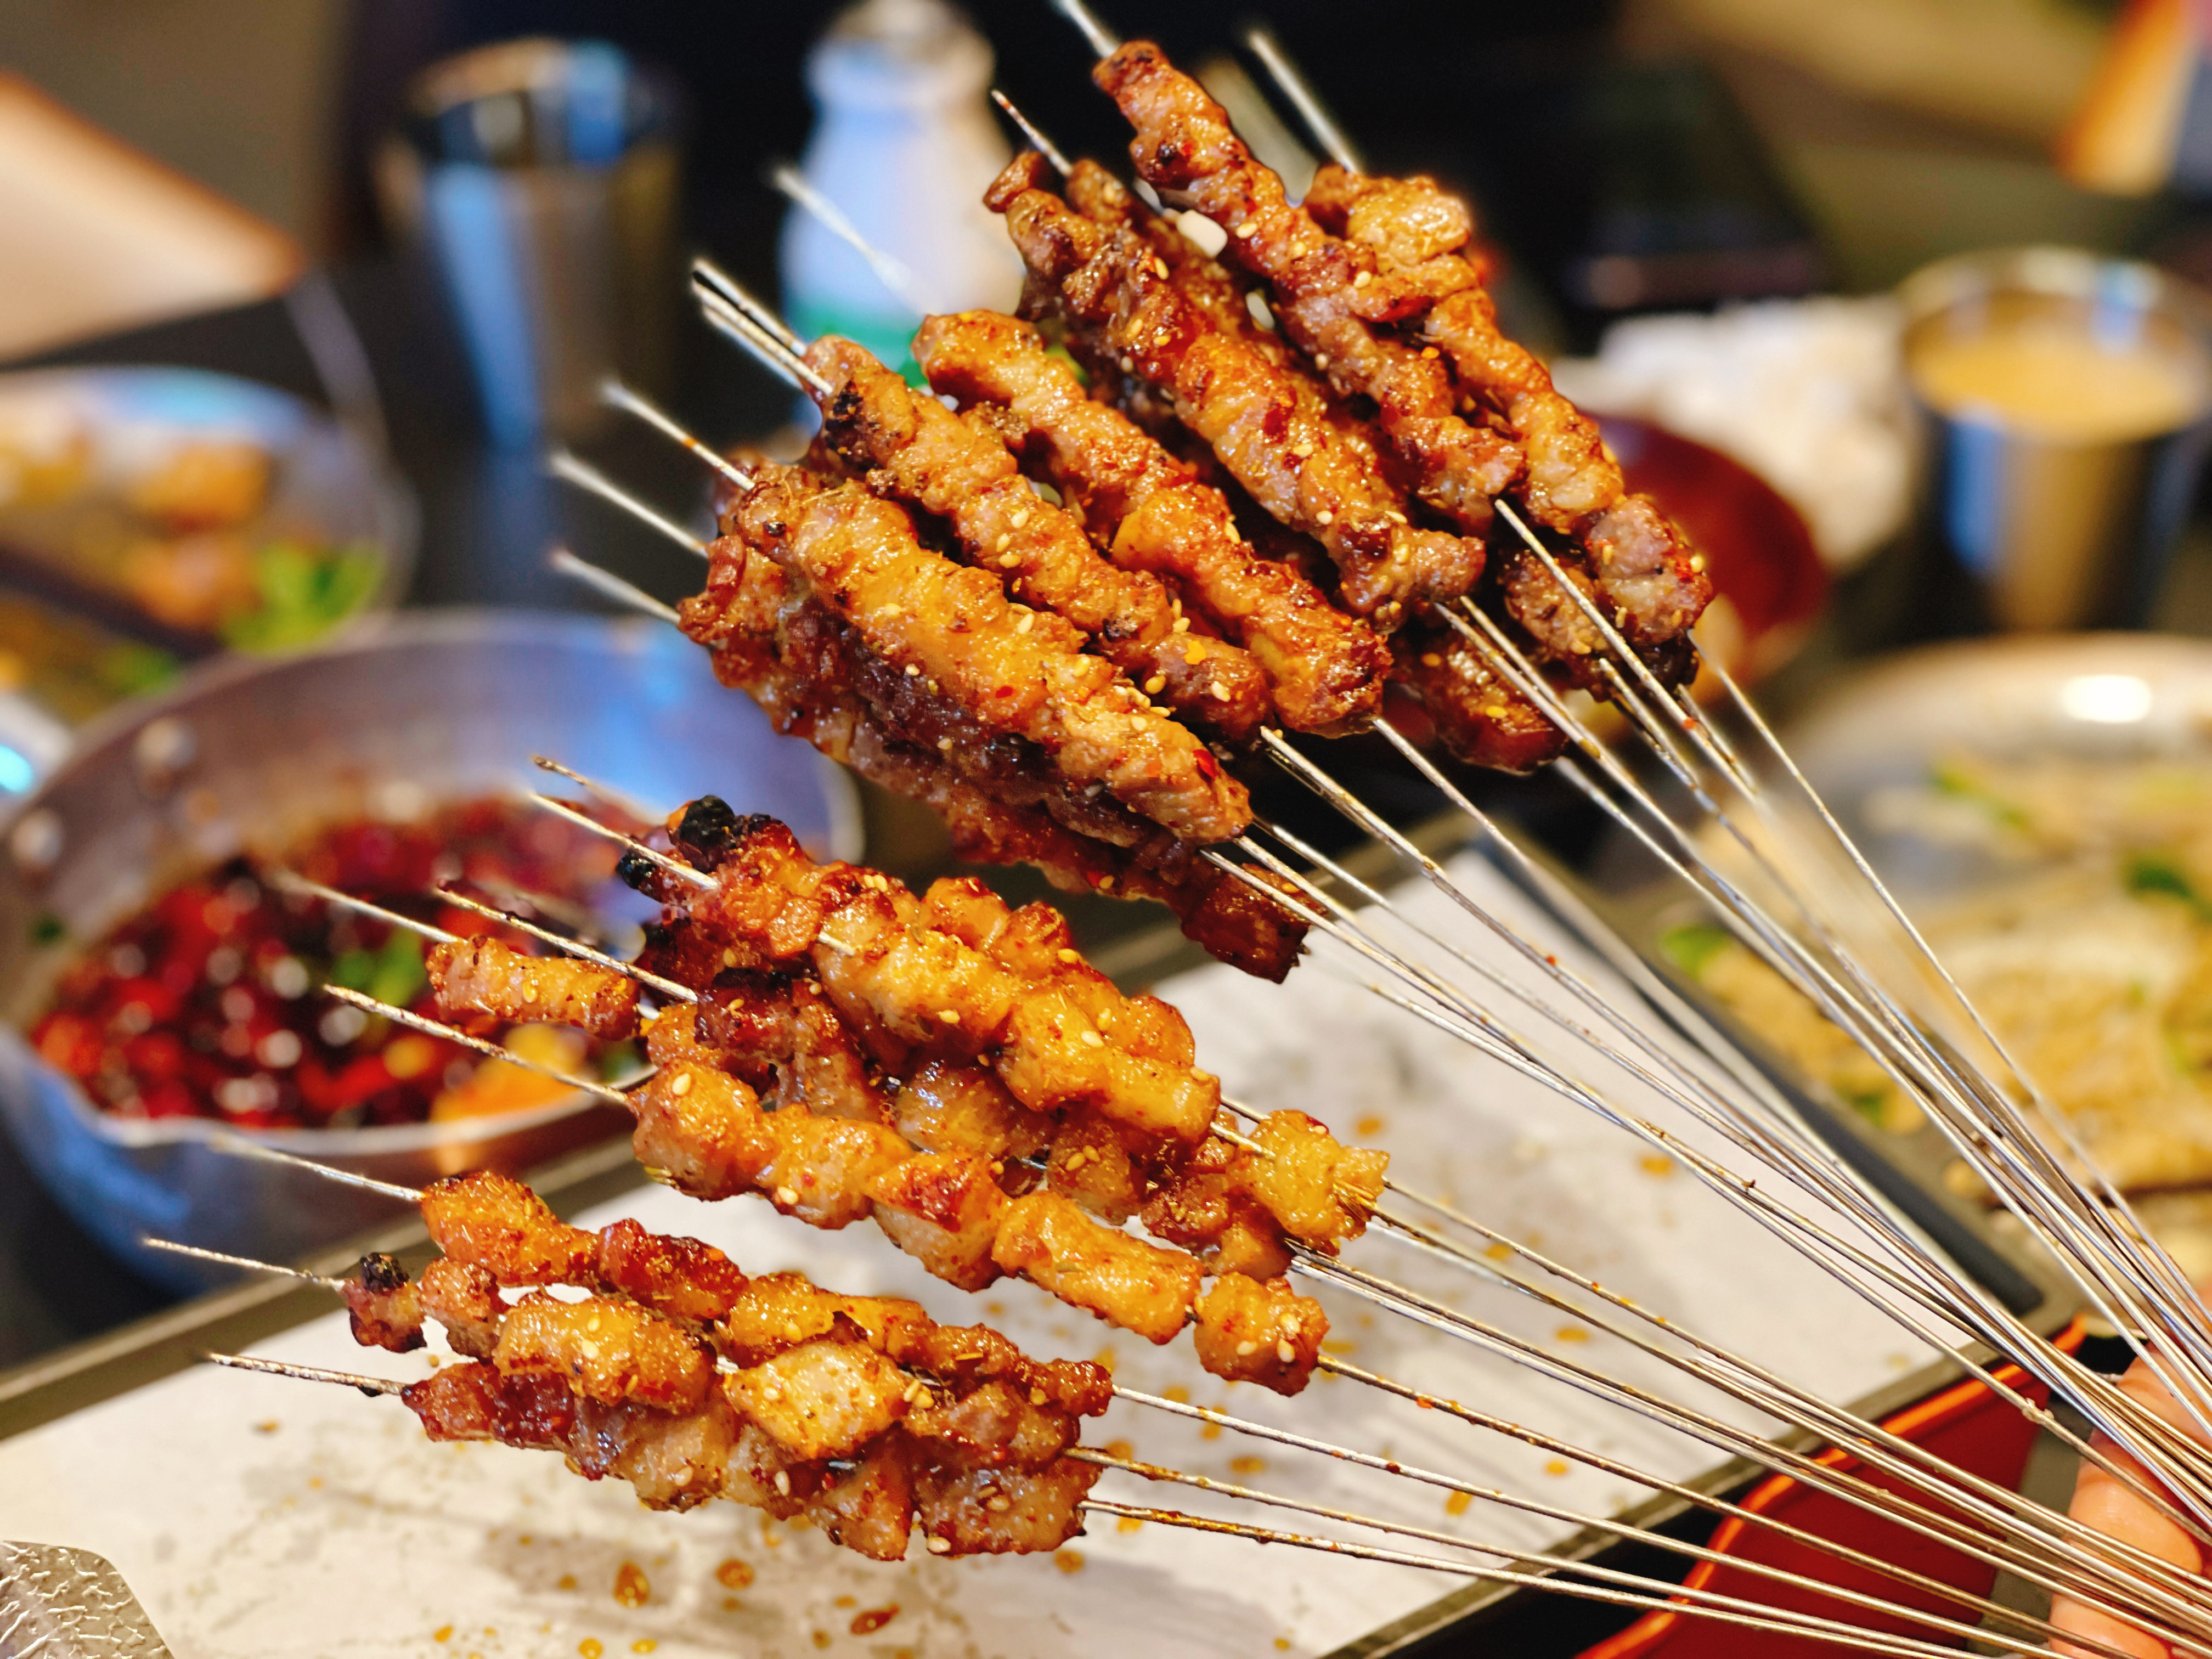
(2043,268)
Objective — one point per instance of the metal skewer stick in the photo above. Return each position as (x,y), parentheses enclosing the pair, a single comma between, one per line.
(1103,41)
(628,806)
(372,1386)
(1043,145)
(661,861)
(667,987)
(1604,1464)
(2025,1542)
(198,1252)
(1839,1258)
(1683,1078)
(238,1146)
(288,881)
(482,1045)
(1847,1635)
(769,333)
(582,921)
(615,395)
(570,468)
(1693,1598)
(1935,1337)
(613,587)
(1846,1190)
(732,292)
(728,321)
(1366,819)
(891,272)
(1473,1026)
(1531,1506)
(1293,85)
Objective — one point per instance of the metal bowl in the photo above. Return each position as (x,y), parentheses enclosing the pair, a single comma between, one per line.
(443,706)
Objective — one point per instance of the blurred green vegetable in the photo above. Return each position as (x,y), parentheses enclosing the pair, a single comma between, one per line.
(1961,784)
(304,592)
(393,973)
(1691,948)
(620,1062)
(2156,872)
(131,670)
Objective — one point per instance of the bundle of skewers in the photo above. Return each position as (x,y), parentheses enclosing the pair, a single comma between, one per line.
(1242,473)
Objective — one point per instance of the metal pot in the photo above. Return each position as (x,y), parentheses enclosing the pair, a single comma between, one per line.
(449,705)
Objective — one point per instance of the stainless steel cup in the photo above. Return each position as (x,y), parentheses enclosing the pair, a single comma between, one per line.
(543,176)
(2061,534)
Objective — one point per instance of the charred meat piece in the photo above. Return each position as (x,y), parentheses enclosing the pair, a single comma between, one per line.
(1269,430)
(1324,668)
(951,625)
(911,446)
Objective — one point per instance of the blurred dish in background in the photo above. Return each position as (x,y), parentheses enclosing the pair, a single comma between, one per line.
(69,667)
(1807,394)
(2043,810)
(188,510)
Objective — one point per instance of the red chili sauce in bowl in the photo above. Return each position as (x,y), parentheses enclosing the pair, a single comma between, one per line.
(210,1002)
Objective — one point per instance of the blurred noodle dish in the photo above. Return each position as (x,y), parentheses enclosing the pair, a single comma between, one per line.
(186,527)
(208,1001)
(2090,951)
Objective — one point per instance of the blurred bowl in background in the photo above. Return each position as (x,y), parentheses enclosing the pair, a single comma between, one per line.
(172,513)
(2068,398)
(1769,584)
(444,707)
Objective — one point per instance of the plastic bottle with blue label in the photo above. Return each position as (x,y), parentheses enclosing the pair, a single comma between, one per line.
(904,147)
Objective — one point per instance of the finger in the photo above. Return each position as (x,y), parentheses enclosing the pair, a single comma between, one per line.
(2071,1616)
(2105,1503)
